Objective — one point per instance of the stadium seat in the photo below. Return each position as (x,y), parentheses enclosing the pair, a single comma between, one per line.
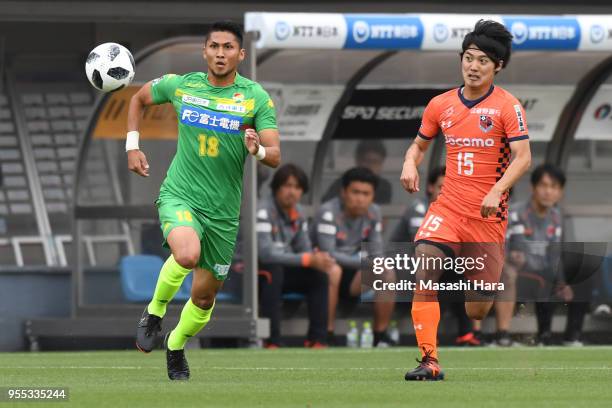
(8,141)
(32,99)
(139,274)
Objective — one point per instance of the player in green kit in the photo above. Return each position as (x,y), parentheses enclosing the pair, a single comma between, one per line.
(222,117)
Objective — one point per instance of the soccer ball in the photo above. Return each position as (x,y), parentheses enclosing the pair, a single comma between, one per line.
(110,67)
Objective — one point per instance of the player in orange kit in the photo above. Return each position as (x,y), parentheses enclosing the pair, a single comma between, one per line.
(483,126)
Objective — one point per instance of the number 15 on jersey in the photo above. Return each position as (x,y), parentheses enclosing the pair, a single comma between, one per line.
(465,163)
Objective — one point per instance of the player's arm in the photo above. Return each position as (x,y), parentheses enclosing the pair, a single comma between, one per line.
(137,161)
(326,240)
(264,145)
(412,160)
(414,155)
(521,160)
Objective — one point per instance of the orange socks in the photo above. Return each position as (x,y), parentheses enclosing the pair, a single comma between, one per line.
(425,317)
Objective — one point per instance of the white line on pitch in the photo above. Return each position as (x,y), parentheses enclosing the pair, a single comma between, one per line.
(304,368)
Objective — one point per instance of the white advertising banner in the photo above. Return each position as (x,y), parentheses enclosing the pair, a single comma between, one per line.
(543,106)
(302,111)
(297,30)
(446,31)
(596,123)
(596,33)
(426,31)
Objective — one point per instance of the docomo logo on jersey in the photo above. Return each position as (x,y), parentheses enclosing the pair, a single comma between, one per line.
(468,141)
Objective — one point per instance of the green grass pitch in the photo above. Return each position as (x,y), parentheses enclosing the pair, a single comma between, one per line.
(483,377)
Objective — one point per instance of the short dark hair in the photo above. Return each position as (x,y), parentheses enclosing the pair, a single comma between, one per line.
(435,174)
(226,26)
(549,169)
(362,174)
(284,172)
(370,145)
(492,38)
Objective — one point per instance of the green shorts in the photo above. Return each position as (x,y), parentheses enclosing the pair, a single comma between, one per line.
(217,237)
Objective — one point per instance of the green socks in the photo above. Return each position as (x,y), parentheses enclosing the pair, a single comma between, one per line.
(193,319)
(170,279)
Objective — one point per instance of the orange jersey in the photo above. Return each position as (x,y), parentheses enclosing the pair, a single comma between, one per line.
(478,134)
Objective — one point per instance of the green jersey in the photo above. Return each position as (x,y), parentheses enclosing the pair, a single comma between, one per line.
(207,169)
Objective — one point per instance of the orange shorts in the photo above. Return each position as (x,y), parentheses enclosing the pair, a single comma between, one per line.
(460,236)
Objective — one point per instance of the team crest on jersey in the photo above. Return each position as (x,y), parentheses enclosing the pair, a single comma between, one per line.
(238,97)
(486,123)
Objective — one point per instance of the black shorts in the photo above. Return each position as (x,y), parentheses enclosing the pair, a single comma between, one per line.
(345,284)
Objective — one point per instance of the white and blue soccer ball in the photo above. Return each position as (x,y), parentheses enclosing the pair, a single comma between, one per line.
(110,67)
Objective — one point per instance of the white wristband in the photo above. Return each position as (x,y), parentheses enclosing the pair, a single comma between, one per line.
(131,143)
(261,153)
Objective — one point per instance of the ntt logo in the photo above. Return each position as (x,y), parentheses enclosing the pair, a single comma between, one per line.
(520,32)
(598,34)
(282,31)
(361,31)
(440,32)
(468,141)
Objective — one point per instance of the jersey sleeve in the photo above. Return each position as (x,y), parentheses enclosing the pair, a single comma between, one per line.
(515,121)
(163,88)
(269,252)
(265,113)
(325,229)
(429,123)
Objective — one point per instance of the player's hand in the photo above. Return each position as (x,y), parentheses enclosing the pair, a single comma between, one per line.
(490,203)
(321,261)
(517,258)
(137,162)
(565,292)
(251,140)
(410,177)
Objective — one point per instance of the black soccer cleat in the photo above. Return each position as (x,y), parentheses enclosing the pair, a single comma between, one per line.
(383,340)
(427,370)
(147,333)
(178,369)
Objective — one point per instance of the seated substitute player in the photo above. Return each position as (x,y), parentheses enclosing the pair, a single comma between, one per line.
(222,118)
(482,125)
(534,266)
(371,154)
(340,227)
(287,262)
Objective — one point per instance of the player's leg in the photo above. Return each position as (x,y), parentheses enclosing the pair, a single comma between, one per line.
(384,304)
(216,250)
(484,247)
(184,243)
(334,278)
(182,233)
(436,239)
(195,315)
(504,308)
(425,306)
(314,284)
(271,279)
